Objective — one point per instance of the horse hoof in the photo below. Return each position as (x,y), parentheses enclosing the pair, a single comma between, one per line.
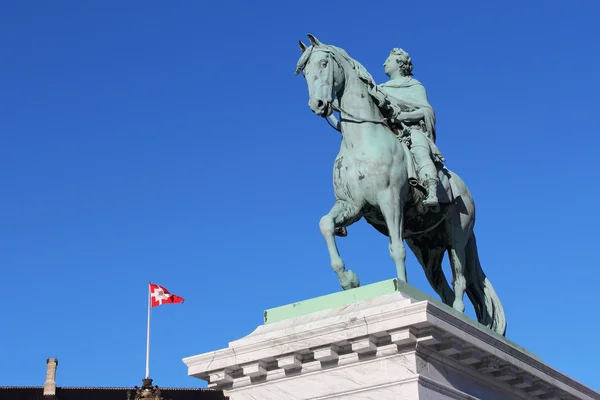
(349,280)
(459,306)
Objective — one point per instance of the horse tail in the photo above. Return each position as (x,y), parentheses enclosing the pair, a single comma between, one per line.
(481,292)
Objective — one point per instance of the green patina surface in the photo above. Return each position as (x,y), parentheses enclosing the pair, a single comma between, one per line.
(399,121)
(368,292)
(330,301)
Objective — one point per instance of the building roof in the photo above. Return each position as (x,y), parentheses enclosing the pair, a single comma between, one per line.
(104,393)
(21,393)
(50,391)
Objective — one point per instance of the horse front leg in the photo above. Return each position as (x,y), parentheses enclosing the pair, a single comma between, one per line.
(430,259)
(342,214)
(392,209)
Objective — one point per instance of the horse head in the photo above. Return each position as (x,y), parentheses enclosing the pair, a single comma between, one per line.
(322,68)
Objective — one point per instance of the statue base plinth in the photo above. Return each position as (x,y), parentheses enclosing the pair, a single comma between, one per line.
(382,341)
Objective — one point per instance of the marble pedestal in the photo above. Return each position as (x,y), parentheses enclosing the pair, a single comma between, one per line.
(381,341)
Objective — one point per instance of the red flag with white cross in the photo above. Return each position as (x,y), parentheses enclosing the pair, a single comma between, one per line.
(159,296)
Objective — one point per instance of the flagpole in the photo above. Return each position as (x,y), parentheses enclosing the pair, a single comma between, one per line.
(148,337)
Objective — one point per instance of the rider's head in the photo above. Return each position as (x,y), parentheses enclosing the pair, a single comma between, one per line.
(398,63)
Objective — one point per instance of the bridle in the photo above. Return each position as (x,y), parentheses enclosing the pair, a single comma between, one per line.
(335,104)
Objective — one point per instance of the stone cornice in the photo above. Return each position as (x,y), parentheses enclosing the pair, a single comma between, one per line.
(391,326)
(501,350)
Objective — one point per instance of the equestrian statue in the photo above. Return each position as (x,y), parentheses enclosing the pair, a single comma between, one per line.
(390,172)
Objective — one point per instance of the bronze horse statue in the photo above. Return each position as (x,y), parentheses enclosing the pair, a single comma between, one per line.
(371,181)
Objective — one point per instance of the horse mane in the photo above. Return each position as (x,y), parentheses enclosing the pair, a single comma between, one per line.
(361,71)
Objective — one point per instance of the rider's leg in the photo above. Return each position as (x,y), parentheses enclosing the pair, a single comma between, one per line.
(425,167)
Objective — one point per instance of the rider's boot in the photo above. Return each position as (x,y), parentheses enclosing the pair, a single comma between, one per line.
(426,170)
(432,199)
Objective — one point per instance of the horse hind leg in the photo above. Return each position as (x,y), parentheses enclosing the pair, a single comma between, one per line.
(430,259)
(458,261)
(341,214)
(459,227)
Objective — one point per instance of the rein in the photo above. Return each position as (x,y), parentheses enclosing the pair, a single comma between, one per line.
(335,105)
(356,120)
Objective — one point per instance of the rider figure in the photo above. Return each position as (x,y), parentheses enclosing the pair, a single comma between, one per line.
(404,100)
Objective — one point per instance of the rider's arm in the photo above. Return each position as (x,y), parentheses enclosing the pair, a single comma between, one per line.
(383,102)
(411,116)
(414,116)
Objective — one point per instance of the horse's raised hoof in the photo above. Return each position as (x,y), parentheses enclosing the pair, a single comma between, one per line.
(349,280)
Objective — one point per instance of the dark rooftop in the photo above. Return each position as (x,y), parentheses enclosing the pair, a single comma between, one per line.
(104,393)
(50,391)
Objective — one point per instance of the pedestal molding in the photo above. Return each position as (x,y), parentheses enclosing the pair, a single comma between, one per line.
(287,351)
(467,331)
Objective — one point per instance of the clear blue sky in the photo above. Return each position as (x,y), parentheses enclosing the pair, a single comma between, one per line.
(170,142)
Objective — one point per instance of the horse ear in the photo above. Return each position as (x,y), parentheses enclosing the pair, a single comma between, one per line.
(302,46)
(313,40)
